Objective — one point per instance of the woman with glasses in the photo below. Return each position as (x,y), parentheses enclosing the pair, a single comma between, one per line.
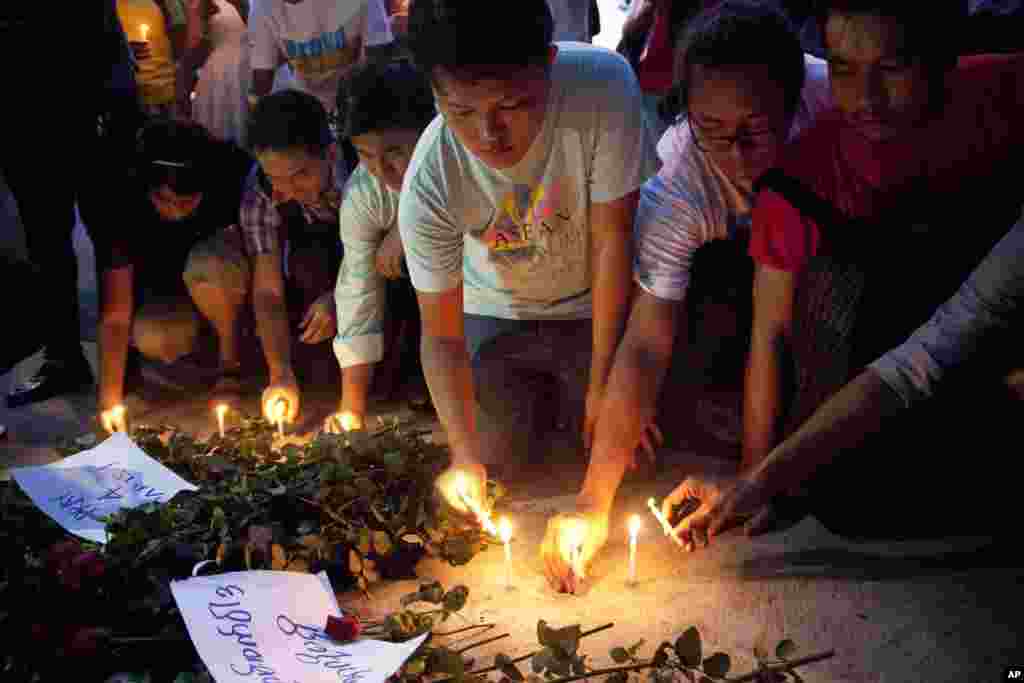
(746,89)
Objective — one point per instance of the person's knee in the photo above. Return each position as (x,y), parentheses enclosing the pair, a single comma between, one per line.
(218,264)
(165,341)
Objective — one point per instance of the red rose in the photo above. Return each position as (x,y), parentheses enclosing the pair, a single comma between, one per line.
(345,629)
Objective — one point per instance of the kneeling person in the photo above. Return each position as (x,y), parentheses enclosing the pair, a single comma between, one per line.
(173,258)
(383,110)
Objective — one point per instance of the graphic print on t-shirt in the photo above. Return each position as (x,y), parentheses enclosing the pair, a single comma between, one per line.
(317,60)
(525,223)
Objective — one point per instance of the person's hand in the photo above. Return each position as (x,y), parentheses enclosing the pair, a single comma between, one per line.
(464,481)
(724,501)
(390,255)
(141,50)
(284,389)
(587,530)
(343,421)
(320,322)
(113,418)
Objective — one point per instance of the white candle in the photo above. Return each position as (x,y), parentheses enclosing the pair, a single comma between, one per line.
(634,532)
(222,411)
(576,535)
(144,32)
(505,530)
(665,526)
(279,412)
(460,484)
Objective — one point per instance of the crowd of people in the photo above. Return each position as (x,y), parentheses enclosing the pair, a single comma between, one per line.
(541,210)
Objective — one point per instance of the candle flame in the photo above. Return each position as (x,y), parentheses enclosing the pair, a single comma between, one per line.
(505,530)
(117,411)
(348,421)
(222,410)
(460,484)
(144,30)
(280,409)
(634,525)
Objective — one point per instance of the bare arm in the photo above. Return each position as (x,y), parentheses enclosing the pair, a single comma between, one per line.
(197,50)
(611,226)
(447,368)
(842,422)
(632,395)
(271,313)
(114,333)
(762,401)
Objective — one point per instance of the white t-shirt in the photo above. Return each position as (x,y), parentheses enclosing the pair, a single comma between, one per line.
(368,213)
(519,239)
(572,20)
(692,201)
(320,39)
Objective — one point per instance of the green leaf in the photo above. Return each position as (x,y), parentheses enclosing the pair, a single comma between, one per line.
(688,647)
(717,665)
(504,664)
(542,660)
(566,640)
(579,666)
(620,655)
(543,633)
(785,649)
(661,656)
(635,647)
(363,546)
(455,599)
(445,661)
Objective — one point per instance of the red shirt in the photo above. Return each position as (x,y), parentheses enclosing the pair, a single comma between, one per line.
(979,133)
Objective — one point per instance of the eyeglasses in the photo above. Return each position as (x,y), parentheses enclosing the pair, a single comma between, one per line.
(723,145)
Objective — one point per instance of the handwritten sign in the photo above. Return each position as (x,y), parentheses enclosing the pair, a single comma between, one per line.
(267,627)
(82,489)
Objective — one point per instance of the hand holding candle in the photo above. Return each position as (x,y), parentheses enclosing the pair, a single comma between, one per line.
(573,537)
(467,490)
(665,526)
(114,419)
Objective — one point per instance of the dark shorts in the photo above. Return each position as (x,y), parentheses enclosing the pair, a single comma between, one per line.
(528,375)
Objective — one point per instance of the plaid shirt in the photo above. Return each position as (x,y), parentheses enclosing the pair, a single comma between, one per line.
(261,222)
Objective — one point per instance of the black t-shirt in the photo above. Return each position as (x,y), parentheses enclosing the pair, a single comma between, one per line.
(158,249)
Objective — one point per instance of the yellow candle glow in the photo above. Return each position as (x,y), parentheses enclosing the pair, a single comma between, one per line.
(144,32)
(575,535)
(505,533)
(114,419)
(349,422)
(634,532)
(665,526)
(280,410)
(460,484)
(222,411)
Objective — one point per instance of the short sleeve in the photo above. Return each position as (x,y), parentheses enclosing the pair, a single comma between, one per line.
(668,231)
(781,237)
(624,155)
(377,30)
(264,52)
(432,241)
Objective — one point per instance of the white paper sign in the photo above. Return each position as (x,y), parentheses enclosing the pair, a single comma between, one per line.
(268,627)
(81,489)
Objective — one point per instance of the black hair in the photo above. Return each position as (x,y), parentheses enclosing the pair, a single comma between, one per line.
(175,154)
(474,39)
(384,96)
(287,120)
(934,31)
(739,32)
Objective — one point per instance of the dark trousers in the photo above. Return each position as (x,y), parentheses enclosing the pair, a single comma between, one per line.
(43,164)
(16,277)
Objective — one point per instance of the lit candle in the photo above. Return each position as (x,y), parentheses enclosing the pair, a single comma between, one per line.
(222,411)
(634,532)
(461,486)
(349,422)
(576,534)
(505,532)
(280,409)
(144,32)
(665,526)
(113,419)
